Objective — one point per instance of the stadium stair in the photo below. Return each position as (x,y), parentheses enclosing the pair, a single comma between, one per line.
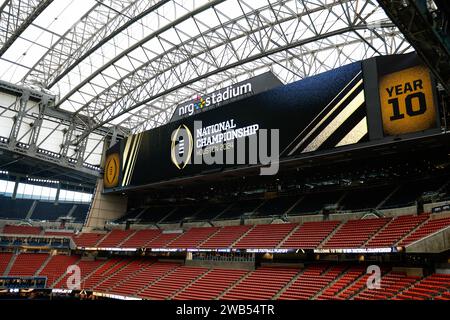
(331,234)
(234,285)
(412,231)
(443,296)
(332,291)
(56,266)
(135,268)
(309,235)
(6,262)
(190,283)
(161,270)
(226,237)
(391,284)
(162,240)
(389,196)
(426,288)
(294,205)
(293,280)
(120,271)
(193,238)
(166,216)
(280,245)
(147,276)
(331,283)
(262,284)
(86,268)
(265,236)
(353,288)
(211,285)
(26,264)
(430,227)
(89,239)
(98,274)
(354,233)
(43,265)
(394,231)
(172,283)
(114,238)
(140,238)
(313,280)
(223,211)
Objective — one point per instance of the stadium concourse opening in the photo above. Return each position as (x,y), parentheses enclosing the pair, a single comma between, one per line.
(100,194)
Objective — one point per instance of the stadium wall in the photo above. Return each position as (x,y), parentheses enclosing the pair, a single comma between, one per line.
(105,208)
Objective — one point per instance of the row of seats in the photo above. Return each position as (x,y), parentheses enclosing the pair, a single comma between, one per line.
(27,230)
(311,282)
(435,285)
(373,232)
(159,280)
(18,209)
(395,230)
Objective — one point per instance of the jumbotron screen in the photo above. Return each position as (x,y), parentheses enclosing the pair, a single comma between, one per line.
(260,122)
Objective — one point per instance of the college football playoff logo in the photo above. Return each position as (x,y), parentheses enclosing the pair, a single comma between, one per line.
(112,170)
(182,144)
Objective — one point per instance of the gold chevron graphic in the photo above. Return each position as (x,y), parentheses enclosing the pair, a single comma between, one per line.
(133,164)
(325,117)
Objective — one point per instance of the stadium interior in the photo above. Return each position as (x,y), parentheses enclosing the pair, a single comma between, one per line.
(90,185)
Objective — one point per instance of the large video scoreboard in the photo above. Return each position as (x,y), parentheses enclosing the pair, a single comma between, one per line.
(364,103)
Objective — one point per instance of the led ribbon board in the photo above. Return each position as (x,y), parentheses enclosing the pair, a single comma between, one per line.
(362,104)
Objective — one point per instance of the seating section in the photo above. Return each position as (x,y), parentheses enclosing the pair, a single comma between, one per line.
(180,213)
(126,270)
(430,227)
(336,288)
(158,280)
(115,238)
(162,240)
(276,206)
(14,209)
(225,237)
(86,268)
(50,212)
(154,214)
(391,284)
(265,236)
(238,208)
(354,233)
(369,233)
(313,203)
(145,277)
(140,238)
(367,198)
(56,267)
(5,258)
(396,229)
(103,272)
(211,285)
(170,284)
(80,212)
(193,238)
(311,282)
(310,235)
(210,211)
(27,264)
(261,284)
(28,230)
(88,239)
(430,287)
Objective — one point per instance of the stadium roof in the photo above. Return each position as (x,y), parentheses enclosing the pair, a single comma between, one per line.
(128,63)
